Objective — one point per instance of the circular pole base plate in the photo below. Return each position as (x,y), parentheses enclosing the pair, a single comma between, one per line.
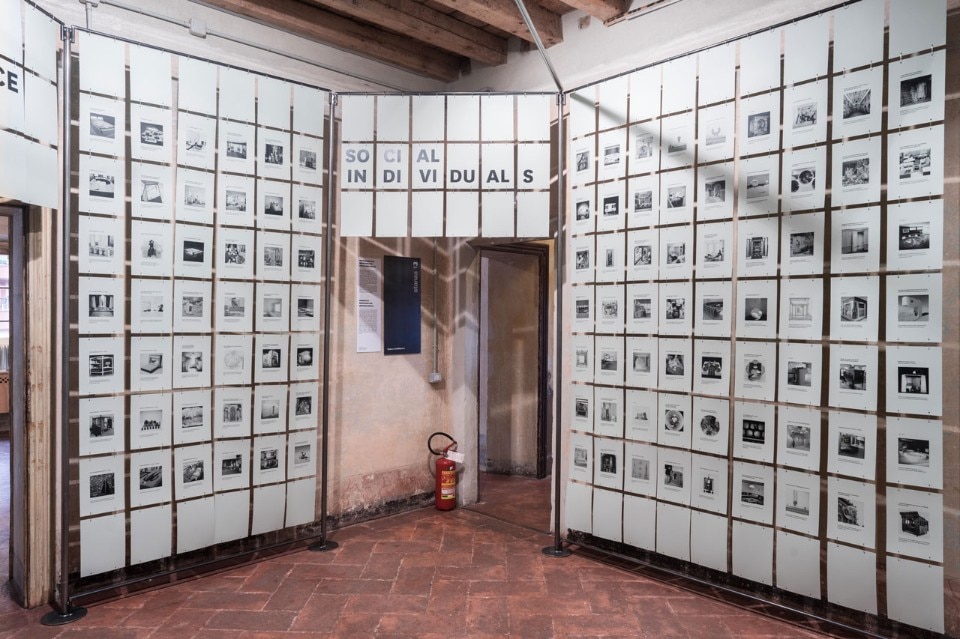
(556,551)
(57,618)
(323,546)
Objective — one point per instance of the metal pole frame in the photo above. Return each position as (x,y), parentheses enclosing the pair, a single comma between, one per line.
(64,611)
(325,544)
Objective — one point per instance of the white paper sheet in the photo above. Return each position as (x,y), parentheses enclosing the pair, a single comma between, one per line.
(302,455)
(151,191)
(273,256)
(645,89)
(717,74)
(102,544)
(236,255)
(798,438)
(759,185)
(151,534)
(914,452)
(679,84)
(610,257)
(798,564)
(150,76)
(582,159)
(579,507)
(150,478)
(235,359)
(643,201)
(639,522)
(914,308)
(644,140)
(11,33)
(914,380)
(197,86)
(273,102)
(498,214)
(196,139)
(758,247)
(231,412)
(675,414)
(273,154)
(673,531)
(233,308)
(40,110)
(752,492)
(916,27)
(309,105)
(854,308)
(100,426)
(608,514)
(609,362)
(801,308)
(753,552)
(852,578)
(676,252)
(463,118)
(610,308)
(640,469)
(915,163)
(643,258)
(853,376)
(103,68)
(760,62)
(915,593)
(915,235)
(805,114)
(194,201)
(193,255)
(641,423)
(102,488)
(236,94)
(150,420)
(754,431)
(305,305)
(675,478)
(195,527)
(235,200)
(100,305)
(805,49)
(581,416)
(755,375)
(710,425)
(583,118)
(712,364)
(613,102)
(677,141)
(676,308)
(269,459)
(612,156)
(798,503)
(852,445)
(232,515)
(713,307)
(801,366)
(856,172)
(759,122)
(101,365)
(304,356)
(802,244)
(608,471)
(463,220)
(916,90)
(675,364)
(714,250)
(583,311)
(858,34)
(851,512)
(273,205)
(855,247)
(237,146)
(715,191)
(102,185)
(915,523)
(270,358)
(709,488)
(708,540)
(193,470)
(193,306)
(642,308)
(191,416)
(804,179)
(533,117)
(301,502)
(581,368)
(857,102)
(231,464)
(102,124)
(757,308)
(581,457)
(307,160)
(392,214)
(151,364)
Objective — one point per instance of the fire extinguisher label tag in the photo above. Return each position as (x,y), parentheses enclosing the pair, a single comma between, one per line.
(453,455)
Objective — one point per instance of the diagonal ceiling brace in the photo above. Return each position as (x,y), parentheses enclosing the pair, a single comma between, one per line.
(536,39)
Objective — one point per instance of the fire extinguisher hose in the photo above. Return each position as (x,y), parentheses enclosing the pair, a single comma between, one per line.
(444,451)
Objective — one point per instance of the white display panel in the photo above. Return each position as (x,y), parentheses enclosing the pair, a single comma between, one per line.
(760,62)
(915,163)
(150,76)
(801,308)
(717,74)
(805,114)
(708,540)
(102,70)
(855,245)
(914,452)
(914,380)
(805,50)
(802,244)
(798,505)
(858,34)
(852,578)
(851,512)
(798,564)
(857,102)
(852,445)
(853,376)
(753,552)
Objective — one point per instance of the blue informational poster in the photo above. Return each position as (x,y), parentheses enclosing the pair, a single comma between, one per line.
(401,305)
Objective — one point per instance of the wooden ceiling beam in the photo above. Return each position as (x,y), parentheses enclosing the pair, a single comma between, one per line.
(420,22)
(504,15)
(601,9)
(340,32)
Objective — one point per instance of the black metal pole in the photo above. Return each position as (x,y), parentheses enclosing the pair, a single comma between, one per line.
(325,544)
(65,612)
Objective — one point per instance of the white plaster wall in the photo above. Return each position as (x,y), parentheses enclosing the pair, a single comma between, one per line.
(141,27)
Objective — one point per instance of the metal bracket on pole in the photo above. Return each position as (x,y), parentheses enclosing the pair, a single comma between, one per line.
(65,612)
(325,544)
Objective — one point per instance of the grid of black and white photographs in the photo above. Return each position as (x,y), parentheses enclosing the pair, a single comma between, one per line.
(484,159)
(745,277)
(198,304)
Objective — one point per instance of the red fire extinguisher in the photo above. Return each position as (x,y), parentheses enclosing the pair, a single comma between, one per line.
(445,494)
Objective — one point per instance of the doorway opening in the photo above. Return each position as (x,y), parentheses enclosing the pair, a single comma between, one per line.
(515,396)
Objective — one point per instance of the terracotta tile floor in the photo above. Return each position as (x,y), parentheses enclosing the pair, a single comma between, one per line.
(419,574)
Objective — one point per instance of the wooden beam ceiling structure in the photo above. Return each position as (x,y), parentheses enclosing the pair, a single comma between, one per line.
(436,39)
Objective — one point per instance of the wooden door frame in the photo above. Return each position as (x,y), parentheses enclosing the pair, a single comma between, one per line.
(542,253)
